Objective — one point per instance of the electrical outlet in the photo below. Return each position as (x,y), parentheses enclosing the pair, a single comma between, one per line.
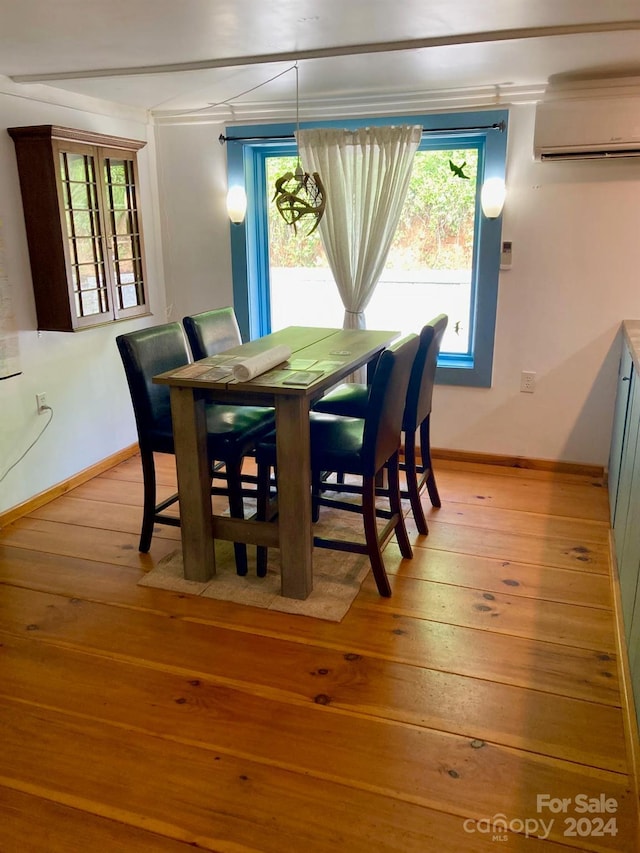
(41,403)
(528,381)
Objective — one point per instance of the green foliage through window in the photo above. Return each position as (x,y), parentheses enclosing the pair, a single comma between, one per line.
(436,228)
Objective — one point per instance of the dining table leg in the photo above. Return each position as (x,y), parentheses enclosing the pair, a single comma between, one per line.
(194,483)
(294,495)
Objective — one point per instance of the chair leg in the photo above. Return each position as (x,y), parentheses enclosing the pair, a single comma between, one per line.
(371,536)
(262,507)
(149,506)
(395,504)
(411,473)
(425,454)
(236,510)
(316,490)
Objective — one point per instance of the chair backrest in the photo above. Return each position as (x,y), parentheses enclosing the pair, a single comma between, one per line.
(211,332)
(145,353)
(385,407)
(423,374)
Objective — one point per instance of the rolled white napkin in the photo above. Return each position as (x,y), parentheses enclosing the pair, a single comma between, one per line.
(256,364)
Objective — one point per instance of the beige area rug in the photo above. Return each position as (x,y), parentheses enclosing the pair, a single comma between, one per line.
(337,575)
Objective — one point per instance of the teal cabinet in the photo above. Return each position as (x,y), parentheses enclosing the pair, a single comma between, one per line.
(620,423)
(624,503)
(626,527)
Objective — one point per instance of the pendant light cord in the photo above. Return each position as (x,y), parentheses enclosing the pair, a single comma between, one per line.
(298,167)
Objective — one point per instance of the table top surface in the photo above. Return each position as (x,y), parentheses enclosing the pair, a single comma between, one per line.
(319,357)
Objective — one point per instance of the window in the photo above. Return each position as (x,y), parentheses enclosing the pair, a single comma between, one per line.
(445,257)
(82,214)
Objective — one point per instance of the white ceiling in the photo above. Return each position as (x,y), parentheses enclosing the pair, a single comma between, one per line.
(181,56)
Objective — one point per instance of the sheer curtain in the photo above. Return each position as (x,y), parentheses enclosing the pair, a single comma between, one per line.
(365,175)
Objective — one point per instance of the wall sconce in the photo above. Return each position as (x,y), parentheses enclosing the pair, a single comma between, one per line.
(236,204)
(492,197)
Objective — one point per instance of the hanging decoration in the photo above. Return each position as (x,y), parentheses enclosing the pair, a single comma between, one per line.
(299,194)
(458,170)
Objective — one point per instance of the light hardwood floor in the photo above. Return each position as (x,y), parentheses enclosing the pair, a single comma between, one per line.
(135,719)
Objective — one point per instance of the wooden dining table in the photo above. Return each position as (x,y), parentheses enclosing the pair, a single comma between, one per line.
(320,358)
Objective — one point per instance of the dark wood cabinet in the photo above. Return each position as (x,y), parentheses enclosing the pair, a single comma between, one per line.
(80,196)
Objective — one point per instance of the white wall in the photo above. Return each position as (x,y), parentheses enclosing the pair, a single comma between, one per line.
(575,277)
(192,176)
(81,372)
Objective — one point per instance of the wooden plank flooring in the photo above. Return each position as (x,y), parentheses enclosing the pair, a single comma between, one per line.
(135,719)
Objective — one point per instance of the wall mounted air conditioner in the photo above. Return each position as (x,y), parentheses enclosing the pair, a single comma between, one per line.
(587,129)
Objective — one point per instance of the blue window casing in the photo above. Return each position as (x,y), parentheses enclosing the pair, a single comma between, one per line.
(247,149)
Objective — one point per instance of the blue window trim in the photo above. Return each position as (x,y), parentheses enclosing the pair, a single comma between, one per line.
(247,147)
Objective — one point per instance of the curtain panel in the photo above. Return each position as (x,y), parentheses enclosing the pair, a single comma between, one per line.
(365,174)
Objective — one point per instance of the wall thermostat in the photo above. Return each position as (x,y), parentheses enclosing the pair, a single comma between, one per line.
(505,255)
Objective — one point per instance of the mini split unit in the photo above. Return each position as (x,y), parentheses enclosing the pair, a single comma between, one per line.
(587,129)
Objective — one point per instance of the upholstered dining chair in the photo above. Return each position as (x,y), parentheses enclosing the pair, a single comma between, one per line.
(232,431)
(350,399)
(211,332)
(360,446)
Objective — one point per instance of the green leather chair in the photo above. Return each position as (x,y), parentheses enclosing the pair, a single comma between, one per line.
(232,431)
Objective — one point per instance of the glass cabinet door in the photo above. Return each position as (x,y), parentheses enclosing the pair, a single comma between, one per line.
(85,237)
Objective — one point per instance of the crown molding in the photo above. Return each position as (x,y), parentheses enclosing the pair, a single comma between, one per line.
(356,105)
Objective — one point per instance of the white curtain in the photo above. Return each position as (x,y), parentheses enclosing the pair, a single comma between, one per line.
(365,175)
